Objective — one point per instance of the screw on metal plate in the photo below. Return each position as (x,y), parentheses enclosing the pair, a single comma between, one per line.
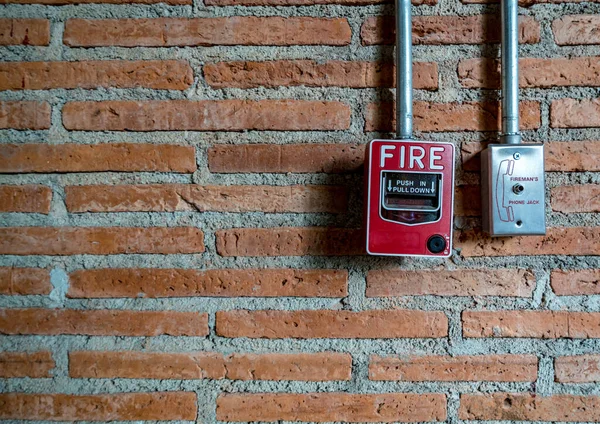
(517,155)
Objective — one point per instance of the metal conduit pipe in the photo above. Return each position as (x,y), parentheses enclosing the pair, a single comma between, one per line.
(404,98)
(510,73)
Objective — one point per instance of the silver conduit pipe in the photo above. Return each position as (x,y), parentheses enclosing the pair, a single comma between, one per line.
(404,98)
(510,73)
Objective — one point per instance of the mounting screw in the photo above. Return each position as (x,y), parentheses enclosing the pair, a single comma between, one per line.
(517,156)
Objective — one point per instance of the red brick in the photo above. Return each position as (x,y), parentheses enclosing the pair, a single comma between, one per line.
(155,365)
(103,407)
(102,322)
(26,364)
(576,198)
(216,115)
(316,324)
(573,156)
(576,282)
(233,30)
(33,32)
(467,200)
(561,156)
(573,30)
(532,324)
(276,158)
(462,282)
(577,369)
(571,241)
(23,281)
(325,407)
(533,72)
(24,115)
(470,154)
(454,368)
(317,241)
(528,407)
(301,366)
(572,113)
(313,74)
(199,365)
(135,283)
(157,74)
(99,240)
(468,116)
(63,2)
(187,197)
(26,198)
(477,29)
(305,2)
(118,157)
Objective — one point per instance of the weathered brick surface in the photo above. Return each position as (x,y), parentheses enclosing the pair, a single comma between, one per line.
(478,29)
(557,241)
(463,282)
(156,282)
(577,369)
(572,30)
(529,407)
(567,156)
(325,407)
(199,365)
(533,72)
(317,241)
(186,197)
(104,407)
(206,115)
(576,282)
(467,200)
(250,158)
(165,75)
(33,32)
(234,30)
(26,364)
(134,132)
(155,365)
(466,116)
(305,2)
(24,281)
(26,198)
(454,368)
(119,157)
(572,113)
(102,322)
(303,366)
(331,324)
(313,74)
(65,2)
(572,156)
(24,115)
(99,240)
(533,324)
(576,198)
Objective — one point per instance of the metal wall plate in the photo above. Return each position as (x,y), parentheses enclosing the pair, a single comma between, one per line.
(513,189)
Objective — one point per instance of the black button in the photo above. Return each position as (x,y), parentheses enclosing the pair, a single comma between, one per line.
(436,244)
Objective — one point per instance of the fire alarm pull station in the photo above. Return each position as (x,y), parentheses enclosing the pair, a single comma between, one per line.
(512,173)
(409,183)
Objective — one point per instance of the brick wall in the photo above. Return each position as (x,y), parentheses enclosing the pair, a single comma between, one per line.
(180,214)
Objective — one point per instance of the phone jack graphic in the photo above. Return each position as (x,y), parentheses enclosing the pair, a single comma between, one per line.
(505,171)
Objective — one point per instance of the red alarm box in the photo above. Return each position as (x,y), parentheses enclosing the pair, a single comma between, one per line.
(409,198)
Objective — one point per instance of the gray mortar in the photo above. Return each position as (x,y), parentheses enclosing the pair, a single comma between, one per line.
(449,90)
